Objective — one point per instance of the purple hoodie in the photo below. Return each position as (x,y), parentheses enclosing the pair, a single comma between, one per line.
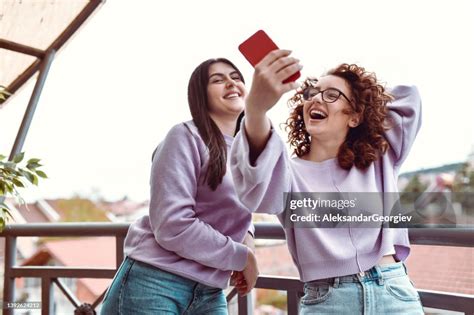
(191,230)
(324,252)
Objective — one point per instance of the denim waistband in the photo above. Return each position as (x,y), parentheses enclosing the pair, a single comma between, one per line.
(377,273)
(159,273)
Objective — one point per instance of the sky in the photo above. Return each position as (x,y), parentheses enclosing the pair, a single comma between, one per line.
(120,84)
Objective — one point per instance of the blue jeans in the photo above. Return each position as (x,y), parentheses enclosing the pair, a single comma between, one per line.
(139,288)
(383,289)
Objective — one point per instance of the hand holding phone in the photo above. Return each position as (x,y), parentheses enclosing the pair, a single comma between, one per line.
(257,46)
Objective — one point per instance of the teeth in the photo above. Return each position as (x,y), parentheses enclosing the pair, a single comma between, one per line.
(232,95)
(317,112)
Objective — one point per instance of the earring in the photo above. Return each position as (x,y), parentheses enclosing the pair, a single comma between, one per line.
(304,140)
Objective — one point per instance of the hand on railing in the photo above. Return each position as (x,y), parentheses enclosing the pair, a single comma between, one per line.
(238,281)
(245,280)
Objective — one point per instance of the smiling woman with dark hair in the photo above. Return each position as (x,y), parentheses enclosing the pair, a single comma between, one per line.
(179,258)
(350,135)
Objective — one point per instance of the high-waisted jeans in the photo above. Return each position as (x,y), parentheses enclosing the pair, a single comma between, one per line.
(139,288)
(384,289)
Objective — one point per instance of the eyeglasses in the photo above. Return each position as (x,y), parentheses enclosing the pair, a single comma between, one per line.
(329,95)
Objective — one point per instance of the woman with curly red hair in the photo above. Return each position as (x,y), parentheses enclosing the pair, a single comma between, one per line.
(350,135)
(364,140)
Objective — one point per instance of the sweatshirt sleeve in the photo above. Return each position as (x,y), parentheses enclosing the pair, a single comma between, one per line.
(261,187)
(405,121)
(174,180)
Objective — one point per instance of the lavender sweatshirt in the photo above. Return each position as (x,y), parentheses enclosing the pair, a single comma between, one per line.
(191,230)
(324,252)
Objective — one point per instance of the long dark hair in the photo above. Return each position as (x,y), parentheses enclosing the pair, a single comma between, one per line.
(210,133)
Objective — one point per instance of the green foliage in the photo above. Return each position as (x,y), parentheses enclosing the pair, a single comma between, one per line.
(413,190)
(464,179)
(415,185)
(13,175)
(463,187)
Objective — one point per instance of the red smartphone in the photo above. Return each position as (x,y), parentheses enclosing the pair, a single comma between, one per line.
(257,46)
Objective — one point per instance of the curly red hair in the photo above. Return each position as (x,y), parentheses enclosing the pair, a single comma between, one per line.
(363,144)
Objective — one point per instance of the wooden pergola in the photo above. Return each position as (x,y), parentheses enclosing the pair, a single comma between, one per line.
(31,33)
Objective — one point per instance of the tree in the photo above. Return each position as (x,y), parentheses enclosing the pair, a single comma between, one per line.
(415,185)
(13,175)
(463,188)
(412,190)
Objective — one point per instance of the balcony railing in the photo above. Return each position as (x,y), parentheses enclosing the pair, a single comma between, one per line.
(50,275)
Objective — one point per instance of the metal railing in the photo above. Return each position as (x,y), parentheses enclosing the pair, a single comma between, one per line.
(50,275)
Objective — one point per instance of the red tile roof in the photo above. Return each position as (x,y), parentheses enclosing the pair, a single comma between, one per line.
(275,260)
(97,252)
(123,207)
(78,209)
(442,268)
(32,214)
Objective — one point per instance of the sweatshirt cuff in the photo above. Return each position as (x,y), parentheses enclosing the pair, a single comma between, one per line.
(240,257)
(266,161)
